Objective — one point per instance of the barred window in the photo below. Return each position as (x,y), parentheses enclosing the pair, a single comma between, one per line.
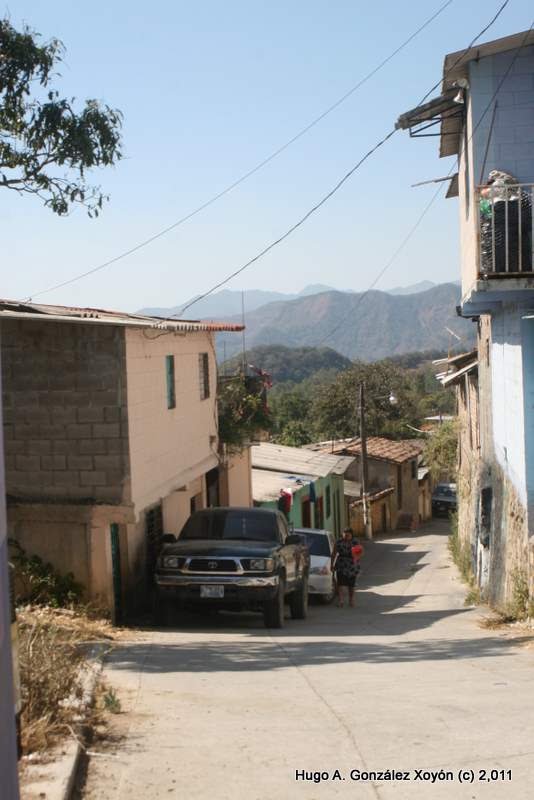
(171,391)
(204,370)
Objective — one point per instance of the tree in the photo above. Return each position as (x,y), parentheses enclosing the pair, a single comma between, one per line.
(335,407)
(243,414)
(441,451)
(46,146)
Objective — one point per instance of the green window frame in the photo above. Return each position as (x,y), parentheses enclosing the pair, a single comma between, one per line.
(204,375)
(171,389)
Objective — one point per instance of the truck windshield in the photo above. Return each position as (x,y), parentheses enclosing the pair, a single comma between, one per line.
(231,525)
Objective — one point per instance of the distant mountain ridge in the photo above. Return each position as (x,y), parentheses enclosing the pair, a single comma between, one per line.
(227,302)
(372,328)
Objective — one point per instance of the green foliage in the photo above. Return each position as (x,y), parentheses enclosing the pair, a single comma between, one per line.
(46,146)
(38,583)
(520,607)
(290,364)
(441,451)
(294,434)
(111,701)
(242,413)
(335,407)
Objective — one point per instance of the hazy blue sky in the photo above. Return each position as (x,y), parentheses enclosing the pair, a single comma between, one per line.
(208,89)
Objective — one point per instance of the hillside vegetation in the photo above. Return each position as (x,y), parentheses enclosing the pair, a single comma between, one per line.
(286,364)
(368,329)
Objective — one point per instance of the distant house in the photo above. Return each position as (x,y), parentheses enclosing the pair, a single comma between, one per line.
(110,424)
(391,464)
(308,486)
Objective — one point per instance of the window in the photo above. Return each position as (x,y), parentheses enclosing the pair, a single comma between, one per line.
(204,374)
(328,497)
(171,391)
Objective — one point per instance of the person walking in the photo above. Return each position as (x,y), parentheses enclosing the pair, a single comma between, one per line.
(345,563)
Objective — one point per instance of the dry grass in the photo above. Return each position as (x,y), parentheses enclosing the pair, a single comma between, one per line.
(51,661)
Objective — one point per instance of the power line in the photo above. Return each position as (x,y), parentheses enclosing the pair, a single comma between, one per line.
(255,169)
(493,101)
(338,186)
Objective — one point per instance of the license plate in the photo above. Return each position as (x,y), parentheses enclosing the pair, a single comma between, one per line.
(212,591)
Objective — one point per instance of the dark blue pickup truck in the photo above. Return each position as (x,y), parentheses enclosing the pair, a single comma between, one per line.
(234,558)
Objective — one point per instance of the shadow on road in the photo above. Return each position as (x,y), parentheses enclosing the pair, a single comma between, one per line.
(267,655)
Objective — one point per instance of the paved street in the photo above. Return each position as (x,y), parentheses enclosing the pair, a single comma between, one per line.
(221,708)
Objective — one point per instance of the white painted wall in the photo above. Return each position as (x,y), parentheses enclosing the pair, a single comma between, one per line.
(511,146)
(507,395)
(169,448)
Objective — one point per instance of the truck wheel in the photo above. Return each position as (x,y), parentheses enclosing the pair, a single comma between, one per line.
(299,600)
(273,610)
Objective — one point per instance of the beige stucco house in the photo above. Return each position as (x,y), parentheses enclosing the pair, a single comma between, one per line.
(110,424)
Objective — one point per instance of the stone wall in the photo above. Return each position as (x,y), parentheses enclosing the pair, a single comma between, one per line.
(65,418)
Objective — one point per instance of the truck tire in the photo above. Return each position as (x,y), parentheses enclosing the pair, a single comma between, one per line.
(298,602)
(273,610)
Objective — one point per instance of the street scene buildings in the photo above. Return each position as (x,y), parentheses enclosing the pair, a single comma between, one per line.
(238,563)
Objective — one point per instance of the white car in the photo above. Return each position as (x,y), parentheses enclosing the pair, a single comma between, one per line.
(321,545)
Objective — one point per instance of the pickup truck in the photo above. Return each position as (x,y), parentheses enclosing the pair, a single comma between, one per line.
(234,558)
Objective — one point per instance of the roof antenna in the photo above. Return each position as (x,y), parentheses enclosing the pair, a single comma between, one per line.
(244,364)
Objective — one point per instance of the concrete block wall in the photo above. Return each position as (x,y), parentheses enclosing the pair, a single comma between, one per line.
(65,412)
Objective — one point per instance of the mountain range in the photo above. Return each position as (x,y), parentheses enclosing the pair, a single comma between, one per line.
(228,302)
(368,327)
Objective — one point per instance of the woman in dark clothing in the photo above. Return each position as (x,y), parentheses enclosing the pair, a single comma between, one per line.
(346,566)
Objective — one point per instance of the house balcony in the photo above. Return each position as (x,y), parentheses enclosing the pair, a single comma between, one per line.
(505,247)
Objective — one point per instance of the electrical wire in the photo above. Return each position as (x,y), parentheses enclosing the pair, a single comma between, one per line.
(336,188)
(252,171)
(493,100)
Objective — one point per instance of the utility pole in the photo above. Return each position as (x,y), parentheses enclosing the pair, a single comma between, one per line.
(8,746)
(367,521)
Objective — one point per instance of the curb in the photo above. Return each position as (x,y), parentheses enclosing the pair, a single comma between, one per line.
(56,779)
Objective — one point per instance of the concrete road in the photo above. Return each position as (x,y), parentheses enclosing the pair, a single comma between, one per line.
(222,708)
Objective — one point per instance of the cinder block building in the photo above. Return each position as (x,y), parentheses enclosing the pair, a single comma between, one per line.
(110,426)
(485,119)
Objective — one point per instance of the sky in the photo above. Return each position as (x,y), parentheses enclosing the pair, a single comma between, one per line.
(208,90)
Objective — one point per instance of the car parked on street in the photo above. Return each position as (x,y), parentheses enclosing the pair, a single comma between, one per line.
(321,545)
(234,558)
(444,499)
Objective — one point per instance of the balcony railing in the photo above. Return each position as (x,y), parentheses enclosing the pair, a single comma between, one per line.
(505,224)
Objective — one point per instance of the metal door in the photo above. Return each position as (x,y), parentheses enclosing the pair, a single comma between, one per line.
(116,573)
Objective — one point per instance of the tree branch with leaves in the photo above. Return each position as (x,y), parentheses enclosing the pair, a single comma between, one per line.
(46,145)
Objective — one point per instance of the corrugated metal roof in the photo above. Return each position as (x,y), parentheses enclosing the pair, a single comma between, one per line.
(379,448)
(446,380)
(267,484)
(352,489)
(12,309)
(280,458)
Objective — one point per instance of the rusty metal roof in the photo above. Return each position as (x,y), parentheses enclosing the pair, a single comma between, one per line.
(396,451)
(13,309)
